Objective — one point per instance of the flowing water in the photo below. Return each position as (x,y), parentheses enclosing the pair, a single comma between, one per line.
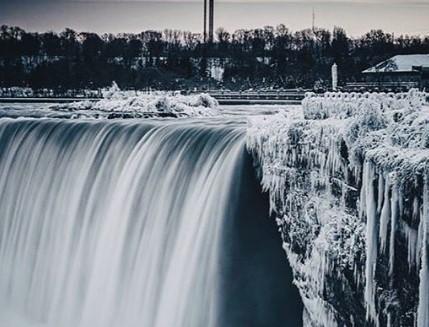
(136,223)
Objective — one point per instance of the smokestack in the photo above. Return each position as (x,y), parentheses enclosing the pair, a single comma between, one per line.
(205,22)
(211,20)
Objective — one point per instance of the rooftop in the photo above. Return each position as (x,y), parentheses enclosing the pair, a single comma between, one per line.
(400,63)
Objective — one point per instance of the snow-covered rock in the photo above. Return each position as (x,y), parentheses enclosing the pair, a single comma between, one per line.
(348,187)
(168,103)
(16,91)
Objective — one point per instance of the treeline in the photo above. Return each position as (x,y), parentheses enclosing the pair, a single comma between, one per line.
(270,56)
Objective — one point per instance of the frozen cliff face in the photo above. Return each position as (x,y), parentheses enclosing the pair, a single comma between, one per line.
(348,185)
(161,103)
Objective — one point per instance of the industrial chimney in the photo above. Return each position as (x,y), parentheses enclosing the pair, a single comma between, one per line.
(210,9)
(205,21)
(211,20)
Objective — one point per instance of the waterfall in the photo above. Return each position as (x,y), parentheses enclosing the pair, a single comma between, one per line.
(125,224)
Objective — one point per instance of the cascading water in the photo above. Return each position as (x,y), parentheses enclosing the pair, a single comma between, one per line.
(136,224)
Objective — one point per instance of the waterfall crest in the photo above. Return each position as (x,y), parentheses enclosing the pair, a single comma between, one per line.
(113,224)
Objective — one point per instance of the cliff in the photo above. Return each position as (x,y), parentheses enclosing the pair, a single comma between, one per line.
(348,180)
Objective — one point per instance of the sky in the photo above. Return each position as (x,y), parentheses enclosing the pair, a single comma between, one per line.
(115,16)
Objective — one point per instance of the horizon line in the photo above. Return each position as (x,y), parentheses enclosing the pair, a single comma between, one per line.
(291,30)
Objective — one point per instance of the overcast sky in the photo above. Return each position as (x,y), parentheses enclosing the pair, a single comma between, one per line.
(356,16)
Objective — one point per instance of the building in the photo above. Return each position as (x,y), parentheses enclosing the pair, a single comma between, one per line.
(399,72)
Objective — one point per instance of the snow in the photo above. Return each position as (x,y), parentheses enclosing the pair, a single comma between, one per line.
(16,91)
(344,105)
(401,63)
(171,103)
(344,178)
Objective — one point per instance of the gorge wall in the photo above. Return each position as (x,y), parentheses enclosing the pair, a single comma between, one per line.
(348,183)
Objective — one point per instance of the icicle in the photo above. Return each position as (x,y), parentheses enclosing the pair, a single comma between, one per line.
(423,307)
(384,216)
(411,236)
(369,201)
(395,204)
(380,199)
(389,320)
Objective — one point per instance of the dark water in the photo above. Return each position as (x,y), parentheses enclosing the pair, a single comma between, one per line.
(258,280)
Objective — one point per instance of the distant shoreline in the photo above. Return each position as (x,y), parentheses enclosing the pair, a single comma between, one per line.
(248,101)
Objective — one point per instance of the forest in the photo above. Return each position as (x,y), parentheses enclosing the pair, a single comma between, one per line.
(268,57)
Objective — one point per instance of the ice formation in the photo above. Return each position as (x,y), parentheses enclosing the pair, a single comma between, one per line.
(343,105)
(348,185)
(137,103)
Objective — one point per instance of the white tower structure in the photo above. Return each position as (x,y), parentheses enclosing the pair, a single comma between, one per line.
(334,72)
